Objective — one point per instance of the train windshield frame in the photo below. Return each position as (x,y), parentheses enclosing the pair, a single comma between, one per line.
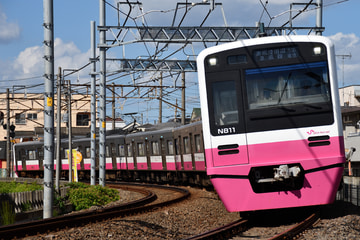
(268,87)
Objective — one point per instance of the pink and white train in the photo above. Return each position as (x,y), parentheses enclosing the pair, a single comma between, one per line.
(164,153)
(270,135)
(271,122)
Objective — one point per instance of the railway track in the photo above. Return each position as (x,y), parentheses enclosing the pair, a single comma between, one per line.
(149,202)
(241,225)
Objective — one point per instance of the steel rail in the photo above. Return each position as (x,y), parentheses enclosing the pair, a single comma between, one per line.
(82,218)
(298,228)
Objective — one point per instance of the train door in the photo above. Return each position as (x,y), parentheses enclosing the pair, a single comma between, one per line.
(163,152)
(22,162)
(40,155)
(141,156)
(113,155)
(186,153)
(178,158)
(228,141)
(131,161)
(199,153)
(122,159)
(170,155)
(148,153)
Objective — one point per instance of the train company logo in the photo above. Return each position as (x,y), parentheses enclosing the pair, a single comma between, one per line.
(313,132)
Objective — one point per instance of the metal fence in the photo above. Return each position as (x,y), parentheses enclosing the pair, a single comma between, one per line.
(350,191)
(33,200)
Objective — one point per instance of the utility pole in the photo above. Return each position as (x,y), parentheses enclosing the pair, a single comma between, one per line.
(93,105)
(8,143)
(343,56)
(48,108)
(58,132)
(102,115)
(70,132)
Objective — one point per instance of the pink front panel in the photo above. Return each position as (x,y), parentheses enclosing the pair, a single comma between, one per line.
(320,188)
(278,153)
(297,151)
(230,159)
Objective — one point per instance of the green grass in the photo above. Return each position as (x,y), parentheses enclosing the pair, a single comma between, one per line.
(84,196)
(10,187)
(7,213)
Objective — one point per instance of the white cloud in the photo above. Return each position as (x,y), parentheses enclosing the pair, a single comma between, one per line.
(30,62)
(8,30)
(347,44)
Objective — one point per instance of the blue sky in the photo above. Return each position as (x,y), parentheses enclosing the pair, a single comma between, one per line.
(21,37)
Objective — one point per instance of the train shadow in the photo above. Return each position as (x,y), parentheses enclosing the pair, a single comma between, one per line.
(339,209)
(276,217)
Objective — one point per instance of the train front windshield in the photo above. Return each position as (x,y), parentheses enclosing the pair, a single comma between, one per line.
(287,85)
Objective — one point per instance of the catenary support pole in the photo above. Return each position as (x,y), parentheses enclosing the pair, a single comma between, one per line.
(113,106)
(58,132)
(160,98)
(8,143)
(93,105)
(319,13)
(183,98)
(102,114)
(70,132)
(48,108)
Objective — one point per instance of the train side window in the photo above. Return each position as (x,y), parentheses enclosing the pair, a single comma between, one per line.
(87,152)
(155,148)
(225,103)
(177,147)
(121,150)
(32,154)
(141,149)
(170,147)
(186,145)
(129,150)
(197,143)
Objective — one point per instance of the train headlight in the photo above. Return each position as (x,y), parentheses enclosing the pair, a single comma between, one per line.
(318,50)
(213,61)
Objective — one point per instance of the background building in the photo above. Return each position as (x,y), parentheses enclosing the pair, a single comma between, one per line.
(26,111)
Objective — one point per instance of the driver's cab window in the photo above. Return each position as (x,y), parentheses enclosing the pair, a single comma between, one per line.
(225,103)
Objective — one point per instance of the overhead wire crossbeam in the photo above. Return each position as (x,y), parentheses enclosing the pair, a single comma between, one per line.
(193,34)
(155,65)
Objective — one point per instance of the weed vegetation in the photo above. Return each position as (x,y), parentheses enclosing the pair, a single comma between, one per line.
(10,187)
(84,196)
